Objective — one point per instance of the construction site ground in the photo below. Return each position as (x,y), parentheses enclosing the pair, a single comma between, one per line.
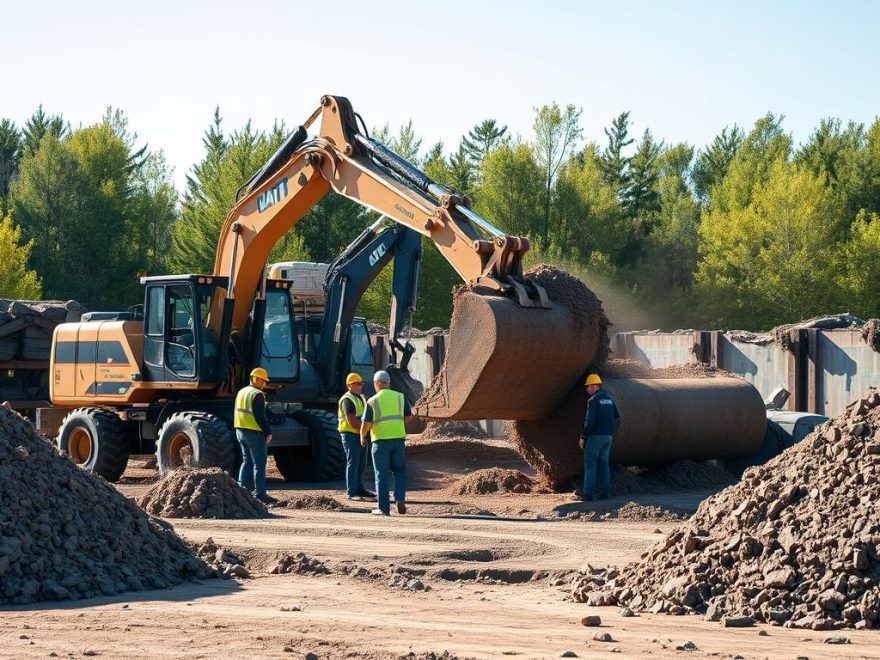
(497,570)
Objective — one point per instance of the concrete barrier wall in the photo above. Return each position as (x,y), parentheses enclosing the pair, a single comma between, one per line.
(825,370)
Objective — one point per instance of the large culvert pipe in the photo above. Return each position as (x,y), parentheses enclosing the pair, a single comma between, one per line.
(663,420)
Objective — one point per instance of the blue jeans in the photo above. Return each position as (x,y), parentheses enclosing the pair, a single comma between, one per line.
(355,462)
(252,474)
(389,455)
(597,449)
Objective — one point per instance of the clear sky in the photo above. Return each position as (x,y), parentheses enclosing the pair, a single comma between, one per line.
(684,69)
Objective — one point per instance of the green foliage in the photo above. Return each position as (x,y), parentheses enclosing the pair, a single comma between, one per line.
(641,198)
(556,133)
(17,281)
(614,163)
(481,139)
(10,155)
(861,266)
(39,125)
(511,190)
(713,162)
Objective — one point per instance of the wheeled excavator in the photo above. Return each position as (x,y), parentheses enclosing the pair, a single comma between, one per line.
(165,378)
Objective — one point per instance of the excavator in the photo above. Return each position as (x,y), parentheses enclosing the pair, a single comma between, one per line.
(164,379)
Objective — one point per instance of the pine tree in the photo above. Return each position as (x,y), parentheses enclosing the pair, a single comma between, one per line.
(41,124)
(613,164)
(641,198)
(482,138)
(712,163)
(10,155)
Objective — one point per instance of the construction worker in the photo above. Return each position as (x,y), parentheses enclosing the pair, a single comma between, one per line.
(600,424)
(349,410)
(385,420)
(253,434)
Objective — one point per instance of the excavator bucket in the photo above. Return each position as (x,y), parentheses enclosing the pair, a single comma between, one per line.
(505,361)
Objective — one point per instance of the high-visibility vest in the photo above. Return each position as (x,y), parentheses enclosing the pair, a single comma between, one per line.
(358,402)
(388,424)
(244,408)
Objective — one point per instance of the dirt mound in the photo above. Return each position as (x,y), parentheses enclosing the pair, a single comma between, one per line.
(871,334)
(224,561)
(795,543)
(494,480)
(631,511)
(618,368)
(300,564)
(67,534)
(201,493)
(492,339)
(322,502)
(451,429)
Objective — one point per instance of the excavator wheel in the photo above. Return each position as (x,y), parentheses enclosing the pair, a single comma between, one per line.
(323,459)
(196,439)
(96,440)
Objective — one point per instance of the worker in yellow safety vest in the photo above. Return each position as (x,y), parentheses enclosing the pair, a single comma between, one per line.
(254,434)
(385,418)
(349,410)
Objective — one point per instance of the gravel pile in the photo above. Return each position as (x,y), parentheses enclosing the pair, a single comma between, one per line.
(300,564)
(795,543)
(221,559)
(66,534)
(201,493)
(494,480)
(321,502)
(451,429)
(630,511)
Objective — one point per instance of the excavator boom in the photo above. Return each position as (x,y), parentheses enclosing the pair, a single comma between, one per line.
(509,315)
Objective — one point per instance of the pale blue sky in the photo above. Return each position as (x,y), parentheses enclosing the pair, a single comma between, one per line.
(684,69)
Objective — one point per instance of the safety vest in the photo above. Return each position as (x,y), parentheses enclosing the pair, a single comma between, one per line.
(358,403)
(244,408)
(388,424)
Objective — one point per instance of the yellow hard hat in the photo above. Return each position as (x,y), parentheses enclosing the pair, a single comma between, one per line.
(259,372)
(353,378)
(593,379)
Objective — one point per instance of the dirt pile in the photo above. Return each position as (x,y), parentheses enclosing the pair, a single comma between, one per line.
(66,534)
(201,493)
(221,559)
(495,480)
(397,577)
(451,429)
(492,339)
(795,543)
(871,334)
(630,511)
(320,502)
(299,564)
(617,368)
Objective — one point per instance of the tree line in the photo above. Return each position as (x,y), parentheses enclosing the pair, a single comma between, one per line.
(748,231)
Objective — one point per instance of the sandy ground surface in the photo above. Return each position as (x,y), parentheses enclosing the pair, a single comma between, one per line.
(496,569)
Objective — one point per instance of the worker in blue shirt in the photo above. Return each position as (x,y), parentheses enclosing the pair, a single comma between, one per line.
(600,424)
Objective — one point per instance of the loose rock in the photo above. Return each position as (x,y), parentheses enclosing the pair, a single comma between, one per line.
(201,493)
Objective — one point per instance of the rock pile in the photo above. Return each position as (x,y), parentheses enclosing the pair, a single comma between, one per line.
(66,534)
(201,493)
(300,564)
(494,480)
(221,559)
(795,543)
(451,429)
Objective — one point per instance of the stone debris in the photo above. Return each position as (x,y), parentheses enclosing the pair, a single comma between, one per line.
(453,429)
(687,646)
(628,511)
(300,564)
(222,560)
(591,621)
(495,480)
(871,334)
(320,502)
(67,534)
(795,543)
(603,637)
(836,640)
(398,577)
(201,493)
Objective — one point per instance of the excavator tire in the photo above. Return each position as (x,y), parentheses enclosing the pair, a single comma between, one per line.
(323,460)
(196,439)
(96,440)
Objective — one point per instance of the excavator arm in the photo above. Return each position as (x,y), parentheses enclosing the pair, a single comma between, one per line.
(344,160)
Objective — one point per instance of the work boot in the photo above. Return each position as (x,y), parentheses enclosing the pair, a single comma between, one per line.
(357,498)
(379,512)
(268,499)
(401,507)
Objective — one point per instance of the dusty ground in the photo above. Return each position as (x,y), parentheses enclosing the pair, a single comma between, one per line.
(495,568)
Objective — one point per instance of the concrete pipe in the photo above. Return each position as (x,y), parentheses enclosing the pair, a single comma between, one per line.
(662,421)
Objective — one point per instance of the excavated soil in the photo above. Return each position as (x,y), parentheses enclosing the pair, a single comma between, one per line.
(66,534)
(618,368)
(299,564)
(871,334)
(451,429)
(495,480)
(201,493)
(319,502)
(493,341)
(795,543)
